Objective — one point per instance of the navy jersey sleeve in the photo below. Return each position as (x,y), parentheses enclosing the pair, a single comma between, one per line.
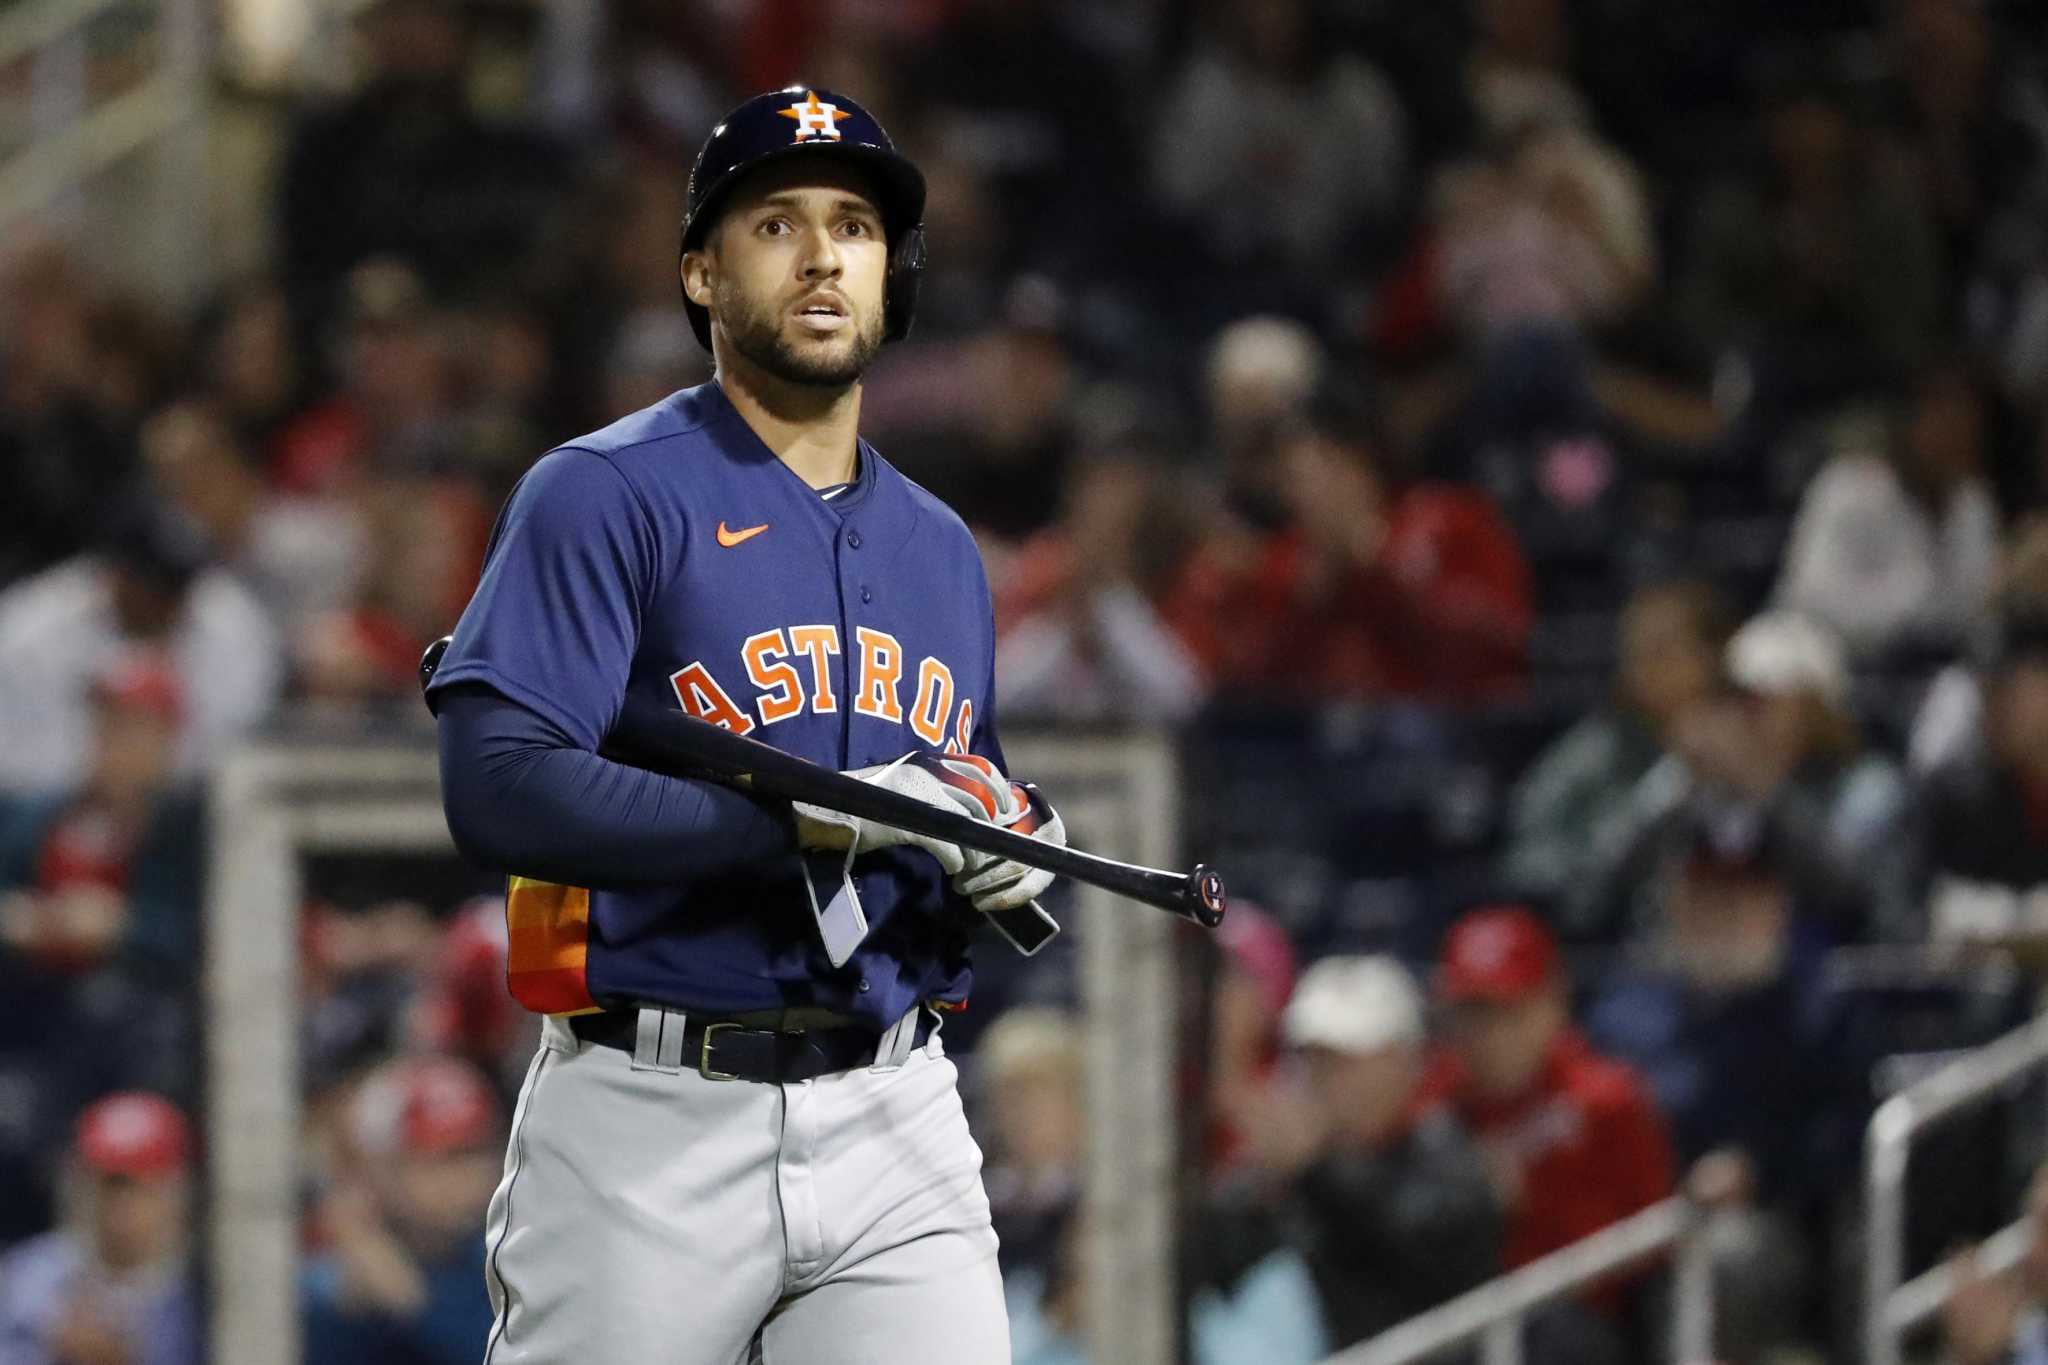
(534,679)
(521,799)
(556,616)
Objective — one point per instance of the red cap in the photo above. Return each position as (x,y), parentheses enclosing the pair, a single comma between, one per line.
(1501,953)
(146,682)
(425,1105)
(134,1134)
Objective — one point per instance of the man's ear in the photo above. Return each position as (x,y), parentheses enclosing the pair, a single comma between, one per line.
(696,273)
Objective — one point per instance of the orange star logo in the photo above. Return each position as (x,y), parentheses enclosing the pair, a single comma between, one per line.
(813,118)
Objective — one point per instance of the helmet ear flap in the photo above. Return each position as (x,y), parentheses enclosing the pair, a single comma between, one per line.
(906,265)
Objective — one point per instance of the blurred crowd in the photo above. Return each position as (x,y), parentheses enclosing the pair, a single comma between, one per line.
(1579,458)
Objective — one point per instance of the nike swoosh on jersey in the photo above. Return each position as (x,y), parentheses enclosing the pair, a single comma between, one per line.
(731,538)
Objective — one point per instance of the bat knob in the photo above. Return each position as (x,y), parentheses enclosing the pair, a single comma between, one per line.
(1206,897)
(431,660)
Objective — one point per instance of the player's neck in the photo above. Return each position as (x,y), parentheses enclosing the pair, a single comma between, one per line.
(815,431)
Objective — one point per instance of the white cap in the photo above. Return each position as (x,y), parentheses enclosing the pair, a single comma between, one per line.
(1354,1004)
(1275,356)
(1781,651)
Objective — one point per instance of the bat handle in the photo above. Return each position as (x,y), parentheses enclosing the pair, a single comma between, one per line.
(1204,899)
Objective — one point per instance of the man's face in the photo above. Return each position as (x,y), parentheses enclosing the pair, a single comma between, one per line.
(1036,1114)
(794,274)
(137,1221)
(2019,717)
(1665,664)
(1363,1094)
(441,1197)
(1504,1042)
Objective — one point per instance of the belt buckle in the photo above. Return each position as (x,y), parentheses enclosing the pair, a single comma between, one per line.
(704,1054)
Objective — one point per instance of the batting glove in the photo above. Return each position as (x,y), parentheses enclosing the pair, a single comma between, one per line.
(993,883)
(820,828)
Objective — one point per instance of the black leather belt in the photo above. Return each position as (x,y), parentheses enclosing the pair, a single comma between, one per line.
(724,1050)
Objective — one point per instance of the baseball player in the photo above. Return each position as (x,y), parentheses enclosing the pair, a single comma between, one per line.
(740,1139)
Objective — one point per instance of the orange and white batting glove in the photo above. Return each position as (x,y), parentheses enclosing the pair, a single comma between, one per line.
(992,883)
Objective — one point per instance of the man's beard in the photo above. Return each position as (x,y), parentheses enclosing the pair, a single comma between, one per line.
(756,333)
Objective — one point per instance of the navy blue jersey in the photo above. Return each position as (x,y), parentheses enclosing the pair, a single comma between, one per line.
(672,556)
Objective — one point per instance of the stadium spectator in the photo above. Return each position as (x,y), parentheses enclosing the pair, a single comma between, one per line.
(1535,255)
(111,868)
(463,1009)
(1518,74)
(250,368)
(114,1285)
(402,1278)
(1285,162)
(1773,761)
(425,539)
(1570,1138)
(1725,1017)
(1956,92)
(405,166)
(1573,800)
(1027,1069)
(1948,729)
(1385,1199)
(1253,982)
(986,421)
(1019,89)
(1080,635)
(393,409)
(1258,377)
(1897,547)
(503,377)
(149,584)
(2002,1318)
(298,555)
(99,916)
(1843,802)
(1819,270)
(61,450)
(1987,818)
(1551,239)
(1382,586)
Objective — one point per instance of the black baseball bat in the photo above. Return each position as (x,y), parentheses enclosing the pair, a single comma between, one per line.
(669,741)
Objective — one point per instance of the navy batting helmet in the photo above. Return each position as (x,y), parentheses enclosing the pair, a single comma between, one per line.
(803,120)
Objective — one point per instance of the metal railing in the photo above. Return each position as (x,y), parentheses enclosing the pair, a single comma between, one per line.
(1494,1314)
(1893,1307)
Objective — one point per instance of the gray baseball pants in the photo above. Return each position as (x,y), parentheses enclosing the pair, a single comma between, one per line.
(650,1216)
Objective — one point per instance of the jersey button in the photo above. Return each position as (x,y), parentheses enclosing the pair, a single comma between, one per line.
(853,540)
(867,594)
(863,985)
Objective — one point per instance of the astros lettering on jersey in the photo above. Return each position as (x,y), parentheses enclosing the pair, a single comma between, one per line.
(847,631)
